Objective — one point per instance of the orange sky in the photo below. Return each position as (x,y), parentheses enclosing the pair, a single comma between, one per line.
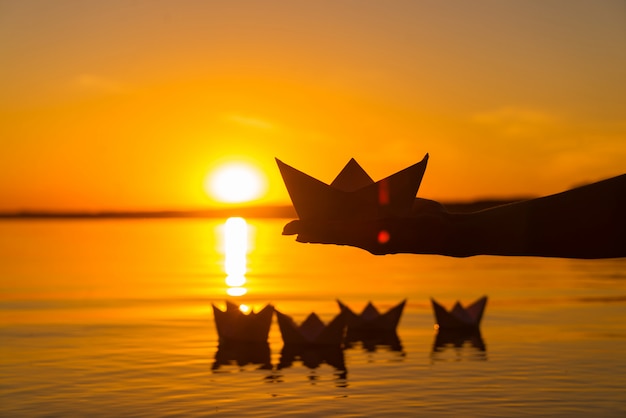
(129,104)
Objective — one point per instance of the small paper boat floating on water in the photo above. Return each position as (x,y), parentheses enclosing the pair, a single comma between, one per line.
(234,325)
(459,318)
(371,320)
(372,328)
(312,331)
(353,194)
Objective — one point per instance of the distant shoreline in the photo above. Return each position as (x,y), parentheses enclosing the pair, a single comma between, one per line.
(286,211)
(248,211)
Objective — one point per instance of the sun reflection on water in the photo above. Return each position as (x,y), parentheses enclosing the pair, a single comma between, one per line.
(236,291)
(235,253)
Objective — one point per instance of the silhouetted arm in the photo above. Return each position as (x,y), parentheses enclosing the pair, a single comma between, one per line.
(585,222)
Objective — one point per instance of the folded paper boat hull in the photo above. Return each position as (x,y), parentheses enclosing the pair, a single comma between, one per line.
(459,318)
(353,195)
(371,320)
(234,325)
(312,331)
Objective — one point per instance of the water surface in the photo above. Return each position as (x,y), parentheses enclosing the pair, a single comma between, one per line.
(114,318)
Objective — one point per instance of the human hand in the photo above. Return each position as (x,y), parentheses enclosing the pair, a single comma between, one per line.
(424,231)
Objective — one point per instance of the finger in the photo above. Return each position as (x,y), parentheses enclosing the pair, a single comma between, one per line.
(292,228)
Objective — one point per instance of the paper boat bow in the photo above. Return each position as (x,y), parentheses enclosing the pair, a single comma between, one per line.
(370,319)
(459,317)
(312,330)
(234,325)
(353,194)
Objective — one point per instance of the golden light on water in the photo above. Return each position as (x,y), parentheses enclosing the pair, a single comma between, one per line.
(235,252)
(236,291)
(235,281)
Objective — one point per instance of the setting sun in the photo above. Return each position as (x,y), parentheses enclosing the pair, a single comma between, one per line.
(235,183)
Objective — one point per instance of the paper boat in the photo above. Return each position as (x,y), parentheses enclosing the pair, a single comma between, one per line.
(312,331)
(370,319)
(353,194)
(234,325)
(459,317)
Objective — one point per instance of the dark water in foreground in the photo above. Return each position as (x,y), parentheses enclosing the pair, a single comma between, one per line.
(114,318)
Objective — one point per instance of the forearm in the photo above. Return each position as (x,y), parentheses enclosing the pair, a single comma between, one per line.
(497,231)
(587,222)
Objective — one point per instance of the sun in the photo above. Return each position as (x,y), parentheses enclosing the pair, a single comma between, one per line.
(235,182)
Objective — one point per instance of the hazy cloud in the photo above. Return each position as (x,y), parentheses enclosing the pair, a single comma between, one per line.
(250,121)
(517,121)
(95,83)
(600,156)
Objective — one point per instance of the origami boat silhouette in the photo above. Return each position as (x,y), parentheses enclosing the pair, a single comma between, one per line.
(373,329)
(370,319)
(459,317)
(353,194)
(312,331)
(234,325)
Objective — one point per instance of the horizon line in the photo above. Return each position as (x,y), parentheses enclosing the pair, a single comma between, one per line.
(250,211)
